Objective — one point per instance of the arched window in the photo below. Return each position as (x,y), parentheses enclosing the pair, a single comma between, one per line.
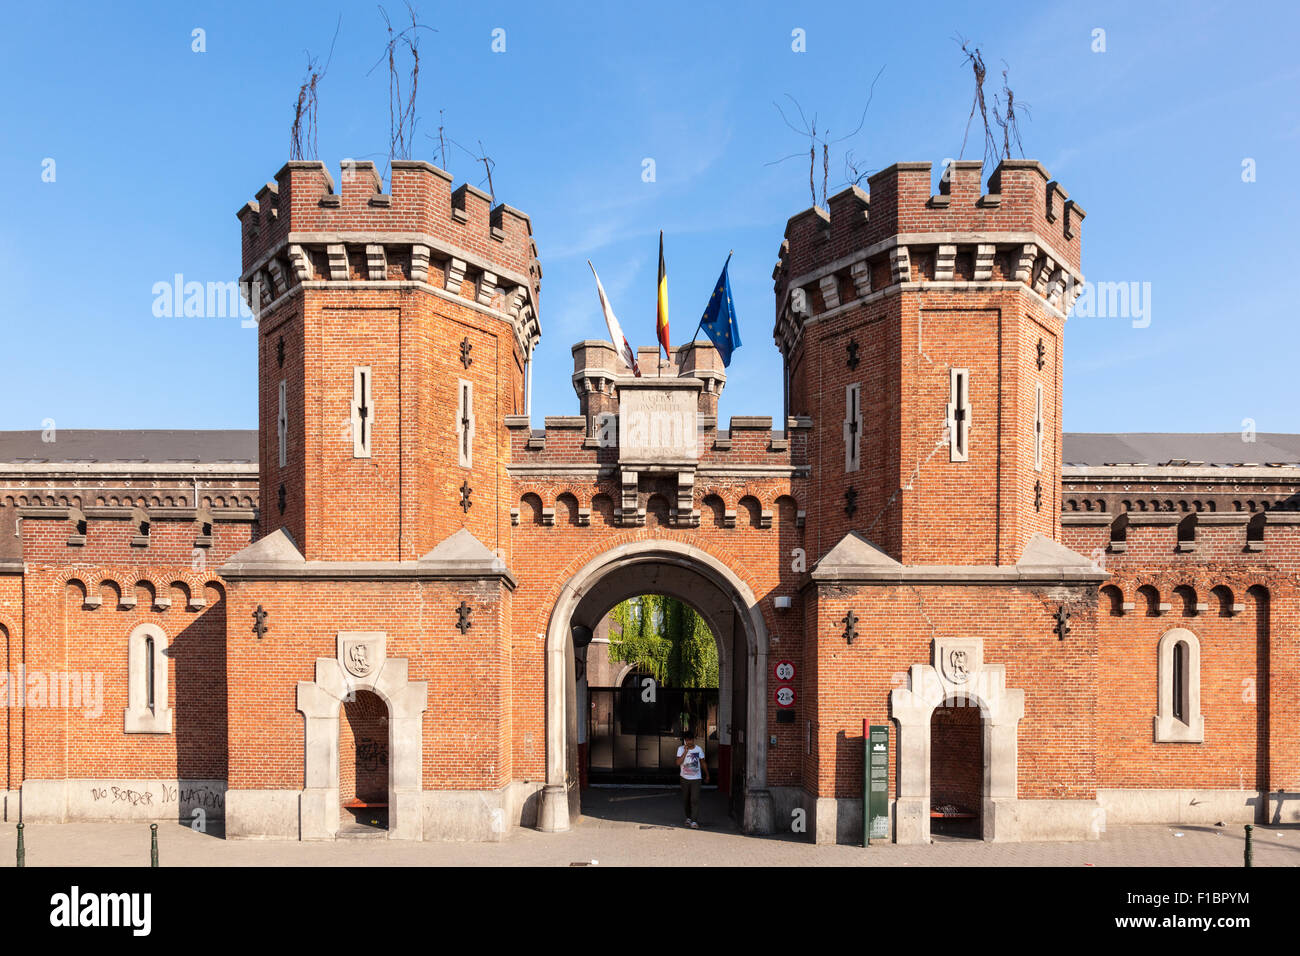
(146,683)
(1178,710)
(149,658)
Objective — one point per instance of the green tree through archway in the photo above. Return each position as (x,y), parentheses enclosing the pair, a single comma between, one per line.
(666,638)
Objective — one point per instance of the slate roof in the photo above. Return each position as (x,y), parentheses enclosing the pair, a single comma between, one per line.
(131,446)
(239,446)
(1180,448)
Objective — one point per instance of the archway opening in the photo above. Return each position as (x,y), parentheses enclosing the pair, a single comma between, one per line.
(956,769)
(737,763)
(650,675)
(363,765)
(651,672)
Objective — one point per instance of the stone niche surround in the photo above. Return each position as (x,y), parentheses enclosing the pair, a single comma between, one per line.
(361,663)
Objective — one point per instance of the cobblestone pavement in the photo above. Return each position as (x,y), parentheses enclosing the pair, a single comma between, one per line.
(641,828)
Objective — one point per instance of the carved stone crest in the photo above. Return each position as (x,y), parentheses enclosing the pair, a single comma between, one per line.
(361,652)
(357,659)
(958,660)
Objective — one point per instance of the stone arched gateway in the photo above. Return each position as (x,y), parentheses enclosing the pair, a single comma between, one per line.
(679,570)
(957,672)
(361,664)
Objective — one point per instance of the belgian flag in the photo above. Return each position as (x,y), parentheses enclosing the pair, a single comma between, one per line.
(662,324)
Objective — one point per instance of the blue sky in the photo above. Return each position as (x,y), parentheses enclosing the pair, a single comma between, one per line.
(156,147)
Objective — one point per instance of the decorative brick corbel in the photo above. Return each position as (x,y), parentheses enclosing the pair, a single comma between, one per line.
(338,260)
(900,264)
(945,263)
(376,262)
(277,277)
(830,286)
(456,274)
(1025,262)
(860,272)
(420,263)
(299,263)
(1045,274)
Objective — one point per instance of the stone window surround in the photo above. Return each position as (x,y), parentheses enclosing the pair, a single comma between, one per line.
(282,425)
(1168,728)
(1040,427)
(363,390)
(958,398)
(465,422)
(852,436)
(138,717)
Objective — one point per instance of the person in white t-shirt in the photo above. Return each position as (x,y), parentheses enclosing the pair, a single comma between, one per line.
(690,760)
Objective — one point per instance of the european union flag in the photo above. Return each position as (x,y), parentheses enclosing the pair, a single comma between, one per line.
(719,321)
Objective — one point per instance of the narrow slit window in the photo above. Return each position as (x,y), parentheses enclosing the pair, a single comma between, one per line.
(150,650)
(852,427)
(363,412)
(1039,427)
(465,423)
(282,426)
(1178,707)
(959,415)
(1180,681)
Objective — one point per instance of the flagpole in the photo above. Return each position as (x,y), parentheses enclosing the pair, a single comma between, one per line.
(730,253)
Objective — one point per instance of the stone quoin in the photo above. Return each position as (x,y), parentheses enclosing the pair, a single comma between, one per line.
(371,601)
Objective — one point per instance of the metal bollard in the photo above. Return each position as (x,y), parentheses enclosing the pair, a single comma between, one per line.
(1250,845)
(22,852)
(153,844)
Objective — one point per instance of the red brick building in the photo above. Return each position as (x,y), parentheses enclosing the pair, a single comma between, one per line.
(371,602)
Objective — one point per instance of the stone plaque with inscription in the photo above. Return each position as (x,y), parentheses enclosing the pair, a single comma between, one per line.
(658,423)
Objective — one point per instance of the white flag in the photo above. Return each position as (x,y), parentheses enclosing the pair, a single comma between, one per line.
(615,330)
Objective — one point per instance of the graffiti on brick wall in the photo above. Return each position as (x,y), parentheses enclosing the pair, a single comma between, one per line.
(158,795)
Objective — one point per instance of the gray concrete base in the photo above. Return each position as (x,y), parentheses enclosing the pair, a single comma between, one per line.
(1283,806)
(114,799)
(1032,821)
(911,820)
(789,809)
(9,806)
(1006,820)
(758,811)
(839,820)
(479,816)
(1125,806)
(452,815)
(262,814)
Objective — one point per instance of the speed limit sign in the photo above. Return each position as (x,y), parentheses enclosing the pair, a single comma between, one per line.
(785,696)
(784,671)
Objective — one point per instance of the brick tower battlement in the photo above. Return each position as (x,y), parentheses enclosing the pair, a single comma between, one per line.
(395,331)
(1025,228)
(301,228)
(922,334)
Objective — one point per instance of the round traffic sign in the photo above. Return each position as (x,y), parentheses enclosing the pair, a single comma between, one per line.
(784,671)
(785,696)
